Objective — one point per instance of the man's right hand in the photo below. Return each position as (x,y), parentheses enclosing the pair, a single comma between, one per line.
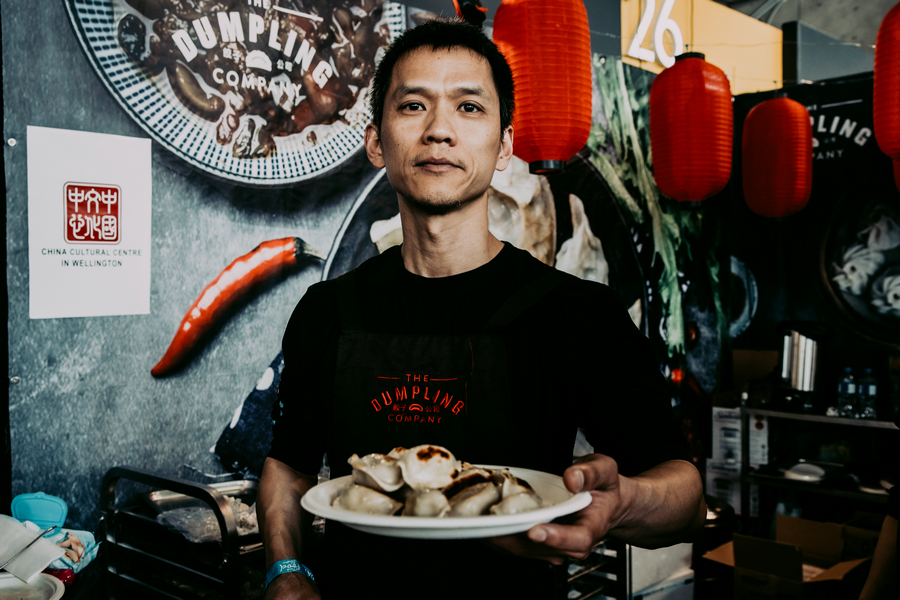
(292,586)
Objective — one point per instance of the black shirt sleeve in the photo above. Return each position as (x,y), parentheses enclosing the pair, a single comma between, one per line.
(302,415)
(627,412)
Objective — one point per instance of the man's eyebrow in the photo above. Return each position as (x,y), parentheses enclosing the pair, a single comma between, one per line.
(476,90)
(463,90)
(409,90)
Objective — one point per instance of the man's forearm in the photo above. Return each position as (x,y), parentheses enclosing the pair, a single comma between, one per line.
(281,519)
(661,506)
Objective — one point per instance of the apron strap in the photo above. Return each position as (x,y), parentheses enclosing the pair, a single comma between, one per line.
(348,304)
(524,298)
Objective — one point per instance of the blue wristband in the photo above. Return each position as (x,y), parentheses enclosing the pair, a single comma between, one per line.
(290,565)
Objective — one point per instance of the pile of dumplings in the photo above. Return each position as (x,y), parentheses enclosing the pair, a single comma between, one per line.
(428,481)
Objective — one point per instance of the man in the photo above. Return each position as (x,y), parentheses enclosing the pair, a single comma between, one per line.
(460,340)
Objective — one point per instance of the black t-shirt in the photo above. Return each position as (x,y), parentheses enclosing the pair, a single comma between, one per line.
(574,359)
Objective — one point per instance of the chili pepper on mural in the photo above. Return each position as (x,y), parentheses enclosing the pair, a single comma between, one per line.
(263,264)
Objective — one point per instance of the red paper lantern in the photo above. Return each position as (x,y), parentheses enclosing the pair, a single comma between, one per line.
(777,157)
(886,98)
(548,47)
(691,129)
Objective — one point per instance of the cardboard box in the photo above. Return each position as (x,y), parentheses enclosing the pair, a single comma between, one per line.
(861,535)
(805,561)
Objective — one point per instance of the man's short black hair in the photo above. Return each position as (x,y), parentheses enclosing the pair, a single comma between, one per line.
(438,34)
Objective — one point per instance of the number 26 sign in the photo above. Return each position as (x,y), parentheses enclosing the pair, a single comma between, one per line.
(660,23)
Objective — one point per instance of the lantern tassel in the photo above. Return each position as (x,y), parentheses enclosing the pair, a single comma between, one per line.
(470,11)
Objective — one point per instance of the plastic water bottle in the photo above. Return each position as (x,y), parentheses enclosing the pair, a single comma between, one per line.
(868,393)
(847,397)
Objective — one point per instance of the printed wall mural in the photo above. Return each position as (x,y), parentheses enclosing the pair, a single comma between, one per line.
(258,92)
(677,248)
(235,247)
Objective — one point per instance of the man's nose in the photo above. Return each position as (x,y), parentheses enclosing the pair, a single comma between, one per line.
(439,127)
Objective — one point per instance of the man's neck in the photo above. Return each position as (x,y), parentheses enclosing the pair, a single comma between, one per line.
(447,244)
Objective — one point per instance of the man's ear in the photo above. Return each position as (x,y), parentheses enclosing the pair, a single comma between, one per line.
(506,149)
(373,146)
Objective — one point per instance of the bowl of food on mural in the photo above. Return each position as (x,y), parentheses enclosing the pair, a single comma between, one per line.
(861,267)
(264,93)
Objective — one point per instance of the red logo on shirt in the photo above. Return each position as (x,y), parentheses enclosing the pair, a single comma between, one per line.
(417,398)
(93,213)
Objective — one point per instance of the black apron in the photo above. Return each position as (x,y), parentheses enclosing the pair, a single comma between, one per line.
(406,390)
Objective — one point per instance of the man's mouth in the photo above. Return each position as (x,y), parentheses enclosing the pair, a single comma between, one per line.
(437,164)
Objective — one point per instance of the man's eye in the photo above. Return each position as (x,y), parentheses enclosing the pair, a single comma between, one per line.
(413,106)
(469,107)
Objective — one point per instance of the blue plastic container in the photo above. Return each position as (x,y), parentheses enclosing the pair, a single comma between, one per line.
(41,509)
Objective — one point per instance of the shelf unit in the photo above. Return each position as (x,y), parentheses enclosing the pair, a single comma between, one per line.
(748,478)
(802,486)
(820,418)
(146,560)
(604,573)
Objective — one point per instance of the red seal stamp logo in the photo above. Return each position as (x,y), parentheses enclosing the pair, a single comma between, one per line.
(93,213)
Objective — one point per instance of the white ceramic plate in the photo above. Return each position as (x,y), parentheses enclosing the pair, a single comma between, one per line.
(42,587)
(558,501)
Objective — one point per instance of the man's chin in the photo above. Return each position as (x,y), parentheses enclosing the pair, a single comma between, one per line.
(436,205)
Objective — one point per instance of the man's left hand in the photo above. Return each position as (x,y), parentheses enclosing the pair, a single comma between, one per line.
(575,535)
(659,507)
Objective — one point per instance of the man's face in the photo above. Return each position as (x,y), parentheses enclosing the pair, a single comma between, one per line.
(440,138)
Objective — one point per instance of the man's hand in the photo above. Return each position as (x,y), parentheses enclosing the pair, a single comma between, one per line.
(657,508)
(292,586)
(573,536)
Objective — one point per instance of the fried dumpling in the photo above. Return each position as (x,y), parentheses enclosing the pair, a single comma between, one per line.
(466,479)
(428,466)
(377,471)
(517,503)
(510,485)
(361,499)
(474,500)
(397,452)
(426,503)
(468,469)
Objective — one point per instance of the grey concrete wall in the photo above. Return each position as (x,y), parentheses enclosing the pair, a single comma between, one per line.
(853,21)
(810,55)
(86,400)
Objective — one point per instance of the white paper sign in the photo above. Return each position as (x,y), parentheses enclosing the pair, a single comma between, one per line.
(88,224)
